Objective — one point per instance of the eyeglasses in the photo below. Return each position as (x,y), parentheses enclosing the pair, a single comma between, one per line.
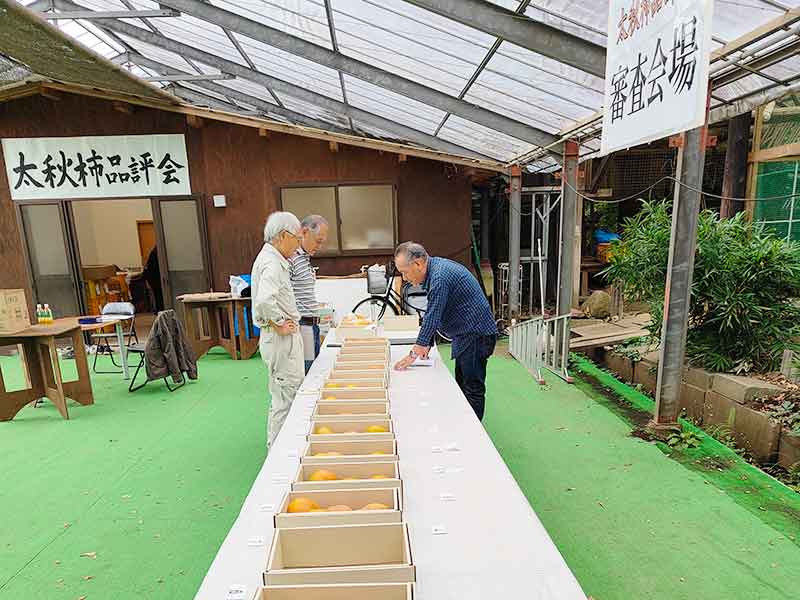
(298,238)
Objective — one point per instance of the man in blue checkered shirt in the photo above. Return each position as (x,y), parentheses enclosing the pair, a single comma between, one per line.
(458,307)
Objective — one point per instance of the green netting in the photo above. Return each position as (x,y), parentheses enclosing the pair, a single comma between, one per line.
(772,502)
(776,179)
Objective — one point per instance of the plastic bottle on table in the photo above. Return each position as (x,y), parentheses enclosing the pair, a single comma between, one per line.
(48,314)
(39,314)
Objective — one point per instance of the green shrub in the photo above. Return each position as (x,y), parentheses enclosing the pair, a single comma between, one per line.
(743,311)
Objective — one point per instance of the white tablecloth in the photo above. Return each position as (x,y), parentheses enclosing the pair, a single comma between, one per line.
(488,544)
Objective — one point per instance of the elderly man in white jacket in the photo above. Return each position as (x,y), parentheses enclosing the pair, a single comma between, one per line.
(275,312)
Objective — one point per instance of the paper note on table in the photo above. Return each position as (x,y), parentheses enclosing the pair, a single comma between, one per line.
(423,362)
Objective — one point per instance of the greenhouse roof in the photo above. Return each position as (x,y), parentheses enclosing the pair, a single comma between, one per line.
(504,80)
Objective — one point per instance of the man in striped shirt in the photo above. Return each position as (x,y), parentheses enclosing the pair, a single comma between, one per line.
(314,229)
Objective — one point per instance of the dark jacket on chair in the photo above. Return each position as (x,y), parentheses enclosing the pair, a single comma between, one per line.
(167,351)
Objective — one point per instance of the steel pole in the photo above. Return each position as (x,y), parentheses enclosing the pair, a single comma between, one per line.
(677,295)
(569,200)
(484,224)
(514,227)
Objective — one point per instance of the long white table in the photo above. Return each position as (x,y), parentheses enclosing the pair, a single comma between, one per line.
(473,533)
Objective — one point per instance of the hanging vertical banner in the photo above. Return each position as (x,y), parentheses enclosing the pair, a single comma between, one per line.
(656,70)
(116,166)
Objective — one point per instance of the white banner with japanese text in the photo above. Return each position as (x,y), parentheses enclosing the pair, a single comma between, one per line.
(656,70)
(118,166)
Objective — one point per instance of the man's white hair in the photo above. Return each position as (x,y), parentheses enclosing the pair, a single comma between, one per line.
(278,222)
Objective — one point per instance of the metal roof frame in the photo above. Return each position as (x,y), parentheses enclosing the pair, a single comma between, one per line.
(548,46)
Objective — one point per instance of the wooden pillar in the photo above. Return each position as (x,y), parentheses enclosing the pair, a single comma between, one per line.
(734,183)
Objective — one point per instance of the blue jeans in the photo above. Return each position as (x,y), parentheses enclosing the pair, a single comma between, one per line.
(471,371)
(315,329)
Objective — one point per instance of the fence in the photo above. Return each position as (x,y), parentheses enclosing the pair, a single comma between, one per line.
(542,344)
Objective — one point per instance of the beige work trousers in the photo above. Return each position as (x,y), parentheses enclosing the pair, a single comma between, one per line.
(283,355)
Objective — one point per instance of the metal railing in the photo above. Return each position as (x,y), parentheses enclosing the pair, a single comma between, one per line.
(542,344)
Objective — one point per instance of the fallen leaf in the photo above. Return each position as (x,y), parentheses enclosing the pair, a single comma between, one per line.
(88,577)
(89,554)
(570,489)
(82,598)
(126,496)
(66,525)
(682,580)
(58,562)
(601,505)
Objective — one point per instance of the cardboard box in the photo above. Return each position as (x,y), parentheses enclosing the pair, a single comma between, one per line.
(365,357)
(348,332)
(355,499)
(364,470)
(373,394)
(351,430)
(400,323)
(352,384)
(381,352)
(347,554)
(366,342)
(359,379)
(350,452)
(340,410)
(362,591)
(360,366)
(14,315)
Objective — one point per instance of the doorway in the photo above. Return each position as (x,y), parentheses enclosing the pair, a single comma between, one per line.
(72,245)
(146,232)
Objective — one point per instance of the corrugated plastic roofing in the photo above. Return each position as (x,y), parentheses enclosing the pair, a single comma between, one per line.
(404,39)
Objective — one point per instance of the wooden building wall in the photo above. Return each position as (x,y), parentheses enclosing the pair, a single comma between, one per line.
(433,199)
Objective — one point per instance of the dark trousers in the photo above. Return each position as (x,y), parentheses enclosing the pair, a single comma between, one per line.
(317,344)
(471,371)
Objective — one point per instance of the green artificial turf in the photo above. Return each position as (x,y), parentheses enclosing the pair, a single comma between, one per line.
(631,522)
(152,481)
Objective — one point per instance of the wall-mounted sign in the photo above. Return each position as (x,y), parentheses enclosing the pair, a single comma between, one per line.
(118,166)
(656,70)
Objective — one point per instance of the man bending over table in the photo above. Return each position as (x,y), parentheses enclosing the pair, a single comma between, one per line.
(458,307)
(275,312)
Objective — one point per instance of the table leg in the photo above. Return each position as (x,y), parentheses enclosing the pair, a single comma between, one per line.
(13,402)
(25,371)
(584,283)
(123,350)
(232,347)
(80,390)
(247,345)
(51,374)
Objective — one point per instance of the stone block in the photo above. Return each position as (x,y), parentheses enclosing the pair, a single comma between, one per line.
(699,378)
(743,389)
(621,365)
(691,402)
(646,374)
(757,433)
(719,410)
(789,450)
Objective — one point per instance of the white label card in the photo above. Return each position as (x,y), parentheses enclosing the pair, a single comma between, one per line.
(439,469)
(267,508)
(439,530)
(237,592)
(453,447)
(447,497)
(436,449)
(255,542)
(280,479)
